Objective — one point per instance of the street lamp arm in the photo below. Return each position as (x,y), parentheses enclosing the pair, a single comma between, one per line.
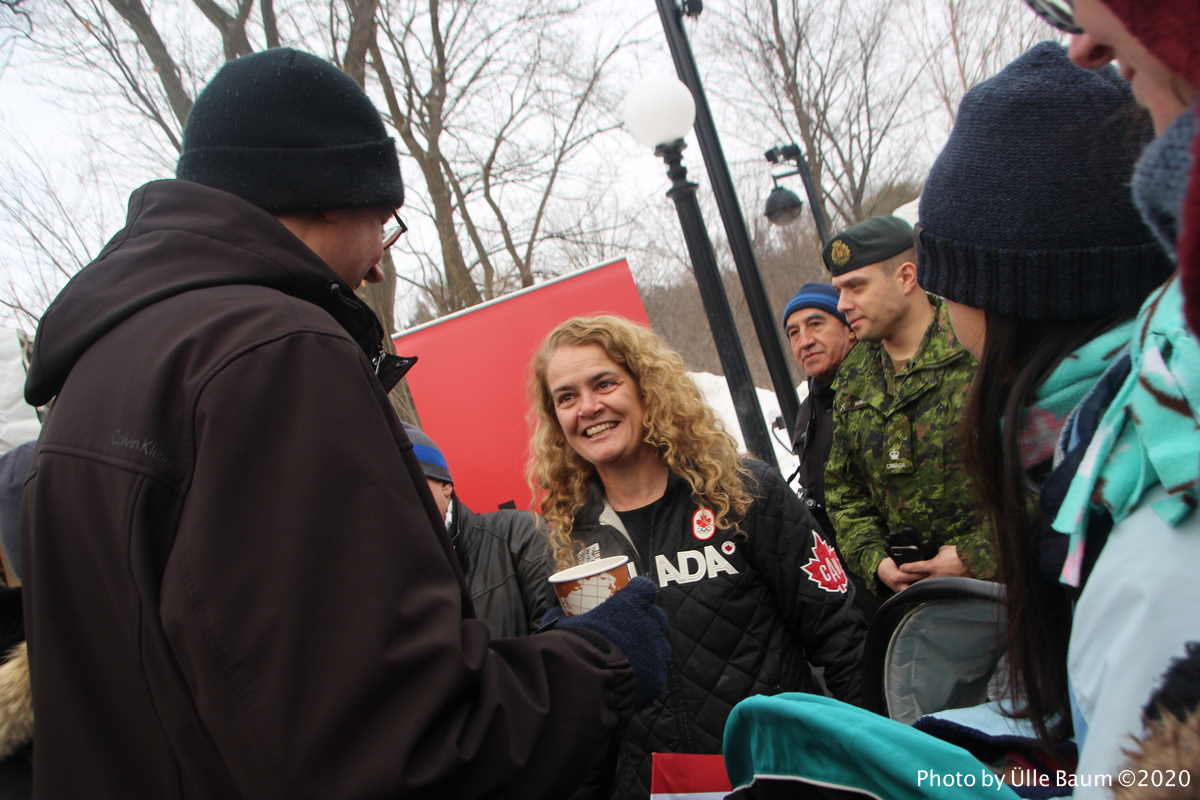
(793,153)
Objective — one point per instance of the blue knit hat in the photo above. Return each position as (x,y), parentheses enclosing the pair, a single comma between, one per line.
(1027,212)
(433,463)
(815,295)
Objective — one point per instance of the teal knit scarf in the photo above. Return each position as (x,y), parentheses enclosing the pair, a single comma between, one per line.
(1149,434)
(1064,389)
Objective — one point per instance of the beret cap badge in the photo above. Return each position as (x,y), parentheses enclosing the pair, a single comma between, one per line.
(839,253)
(872,241)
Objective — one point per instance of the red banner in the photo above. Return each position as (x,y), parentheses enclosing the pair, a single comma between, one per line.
(470,385)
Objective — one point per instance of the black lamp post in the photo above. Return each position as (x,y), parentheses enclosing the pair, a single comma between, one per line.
(782,204)
(659,112)
(766,324)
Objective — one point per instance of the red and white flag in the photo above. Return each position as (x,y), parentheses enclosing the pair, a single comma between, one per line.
(686,776)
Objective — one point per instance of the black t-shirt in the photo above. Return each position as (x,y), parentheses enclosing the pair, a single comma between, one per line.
(640,522)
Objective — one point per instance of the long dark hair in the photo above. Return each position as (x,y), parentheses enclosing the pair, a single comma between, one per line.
(1018,356)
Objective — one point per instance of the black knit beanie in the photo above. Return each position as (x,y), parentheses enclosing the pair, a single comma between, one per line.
(288,131)
(1027,212)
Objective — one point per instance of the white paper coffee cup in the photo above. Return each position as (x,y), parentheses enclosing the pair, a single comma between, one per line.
(586,586)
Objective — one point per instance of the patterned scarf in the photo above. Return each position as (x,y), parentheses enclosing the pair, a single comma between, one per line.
(1063,390)
(1149,434)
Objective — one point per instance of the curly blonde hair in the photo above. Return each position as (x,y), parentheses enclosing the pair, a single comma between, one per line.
(679,425)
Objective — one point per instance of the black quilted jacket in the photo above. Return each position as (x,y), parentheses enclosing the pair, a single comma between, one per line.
(503,555)
(748,612)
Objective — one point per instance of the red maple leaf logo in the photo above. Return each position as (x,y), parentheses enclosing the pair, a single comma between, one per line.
(824,569)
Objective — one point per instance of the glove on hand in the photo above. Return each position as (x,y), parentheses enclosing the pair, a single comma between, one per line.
(635,625)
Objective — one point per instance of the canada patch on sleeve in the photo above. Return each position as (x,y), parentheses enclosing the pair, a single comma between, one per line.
(824,569)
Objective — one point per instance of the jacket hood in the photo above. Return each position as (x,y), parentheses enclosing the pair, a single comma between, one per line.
(180,236)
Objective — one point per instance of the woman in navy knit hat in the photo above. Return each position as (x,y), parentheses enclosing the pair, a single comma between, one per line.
(1028,230)
(1138,469)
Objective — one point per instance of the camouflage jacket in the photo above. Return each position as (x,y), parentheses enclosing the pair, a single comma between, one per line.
(896,458)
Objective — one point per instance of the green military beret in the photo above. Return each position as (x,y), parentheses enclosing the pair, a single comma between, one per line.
(866,243)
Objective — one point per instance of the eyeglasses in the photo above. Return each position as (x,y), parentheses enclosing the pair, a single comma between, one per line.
(392,233)
(1058,13)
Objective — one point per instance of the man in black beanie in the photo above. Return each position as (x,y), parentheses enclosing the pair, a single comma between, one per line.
(895,471)
(218,602)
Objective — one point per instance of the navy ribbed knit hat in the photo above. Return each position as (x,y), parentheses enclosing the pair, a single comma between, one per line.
(1027,212)
(288,131)
(815,295)
(433,463)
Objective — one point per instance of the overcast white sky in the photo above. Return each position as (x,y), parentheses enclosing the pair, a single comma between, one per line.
(43,122)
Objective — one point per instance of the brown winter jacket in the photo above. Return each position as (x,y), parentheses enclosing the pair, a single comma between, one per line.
(237,583)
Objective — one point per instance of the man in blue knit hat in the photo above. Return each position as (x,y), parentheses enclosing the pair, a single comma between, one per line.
(502,553)
(821,339)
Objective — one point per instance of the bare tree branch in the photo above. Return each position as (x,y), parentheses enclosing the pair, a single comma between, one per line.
(829,76)
(494,100)
(54,239)
(16,20)
(270,25)
(962,42)
(232,27)
(362,31)
(134,14)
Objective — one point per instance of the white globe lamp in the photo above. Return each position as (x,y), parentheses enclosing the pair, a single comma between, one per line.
(659,110)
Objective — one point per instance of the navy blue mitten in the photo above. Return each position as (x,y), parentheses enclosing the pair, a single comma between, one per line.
(632,622)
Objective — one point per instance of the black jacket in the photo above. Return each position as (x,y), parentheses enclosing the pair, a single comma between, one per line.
(237,583)
(812,442)
(504,557)
(747,611)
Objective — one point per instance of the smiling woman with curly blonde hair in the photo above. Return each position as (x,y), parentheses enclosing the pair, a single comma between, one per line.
(627,459)
(680,427)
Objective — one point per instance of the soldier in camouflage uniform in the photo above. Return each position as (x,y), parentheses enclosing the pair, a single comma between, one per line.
(896,458)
